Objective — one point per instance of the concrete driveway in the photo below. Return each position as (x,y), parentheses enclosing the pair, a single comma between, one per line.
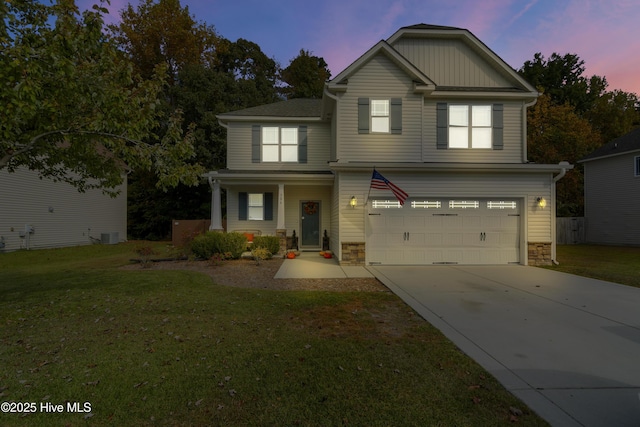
(568,346)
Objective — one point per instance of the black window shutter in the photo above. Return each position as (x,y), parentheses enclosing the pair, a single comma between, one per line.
(243,206)
(302,144)
(442,126)
(396,115)
(363,115)
(255,144)
(498,127)
(268,206)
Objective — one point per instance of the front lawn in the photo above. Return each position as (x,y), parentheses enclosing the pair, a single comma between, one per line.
(612,263)
(142,347)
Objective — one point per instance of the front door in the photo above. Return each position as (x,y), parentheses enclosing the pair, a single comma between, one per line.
(310,223)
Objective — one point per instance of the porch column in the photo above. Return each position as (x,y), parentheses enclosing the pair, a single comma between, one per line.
(216,206)
(280,222)
(281,232)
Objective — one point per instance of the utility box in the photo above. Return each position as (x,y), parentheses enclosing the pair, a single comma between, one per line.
(110,238)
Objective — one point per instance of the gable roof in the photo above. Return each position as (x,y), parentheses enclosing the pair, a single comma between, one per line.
(625,144)
(424,83)
(299,108)
(385,48)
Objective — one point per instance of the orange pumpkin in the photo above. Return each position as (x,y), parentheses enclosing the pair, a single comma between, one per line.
(291,255)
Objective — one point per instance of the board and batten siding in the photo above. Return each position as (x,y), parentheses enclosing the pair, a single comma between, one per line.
(450,63)
(379,78)
(612,200)
(417,142)
(58,213)
(239,138)
(526,187)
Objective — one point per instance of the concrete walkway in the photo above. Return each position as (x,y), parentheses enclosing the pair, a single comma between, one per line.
(567,346)
(310,265)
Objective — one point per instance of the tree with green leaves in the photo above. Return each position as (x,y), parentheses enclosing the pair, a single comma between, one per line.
(305,76)
(164,32)
(556,133)
(72,107)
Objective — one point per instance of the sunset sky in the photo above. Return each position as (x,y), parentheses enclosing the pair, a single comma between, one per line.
(603,33)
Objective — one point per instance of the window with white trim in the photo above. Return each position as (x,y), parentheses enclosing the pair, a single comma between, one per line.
(386,204)
(255,211)
(464,204)
(380,115)
(637,159)
(279,144)
(470,126)
(426,204)
(501,205)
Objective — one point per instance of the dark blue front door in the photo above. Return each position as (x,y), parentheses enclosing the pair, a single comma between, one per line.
(310,223)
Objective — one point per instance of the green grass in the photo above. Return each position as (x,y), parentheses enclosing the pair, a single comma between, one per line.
(612,263)
(173,348)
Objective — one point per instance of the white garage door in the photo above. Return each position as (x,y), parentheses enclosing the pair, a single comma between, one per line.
(443,231)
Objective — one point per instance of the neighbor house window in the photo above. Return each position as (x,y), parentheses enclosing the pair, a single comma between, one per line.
(637,165)
(470,126)
(255,209)
(380,115)
(279,144)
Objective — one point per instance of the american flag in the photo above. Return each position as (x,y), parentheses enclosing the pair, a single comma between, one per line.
(379,182)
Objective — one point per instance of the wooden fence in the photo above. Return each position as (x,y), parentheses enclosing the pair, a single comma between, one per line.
(570,231)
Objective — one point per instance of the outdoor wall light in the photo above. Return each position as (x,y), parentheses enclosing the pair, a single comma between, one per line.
(541,202)
(353,202)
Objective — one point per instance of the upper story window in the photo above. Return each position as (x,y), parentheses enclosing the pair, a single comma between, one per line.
(376,115)
(273,144)
(279,144)
(380,115)
(470,126)
(637,159)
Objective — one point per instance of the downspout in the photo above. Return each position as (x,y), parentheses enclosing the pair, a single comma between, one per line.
(563,172)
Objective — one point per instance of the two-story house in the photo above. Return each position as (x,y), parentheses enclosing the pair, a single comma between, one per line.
(434,111)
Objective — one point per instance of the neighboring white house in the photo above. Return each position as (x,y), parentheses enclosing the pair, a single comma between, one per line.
(434,111)
(40,213)
(612,192)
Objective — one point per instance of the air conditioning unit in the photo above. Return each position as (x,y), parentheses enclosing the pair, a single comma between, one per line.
(109,238)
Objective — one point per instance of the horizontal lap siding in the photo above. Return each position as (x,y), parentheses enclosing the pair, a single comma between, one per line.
(292,196)
(379,79)
(450,63)
(512,152)
(462,185)
(75,216)
(239,147)
(612,201)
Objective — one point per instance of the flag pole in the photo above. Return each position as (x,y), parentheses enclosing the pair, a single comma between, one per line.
(369,193)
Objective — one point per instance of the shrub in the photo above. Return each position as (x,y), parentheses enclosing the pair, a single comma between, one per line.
(260,254)
(214,242)
(270,243)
